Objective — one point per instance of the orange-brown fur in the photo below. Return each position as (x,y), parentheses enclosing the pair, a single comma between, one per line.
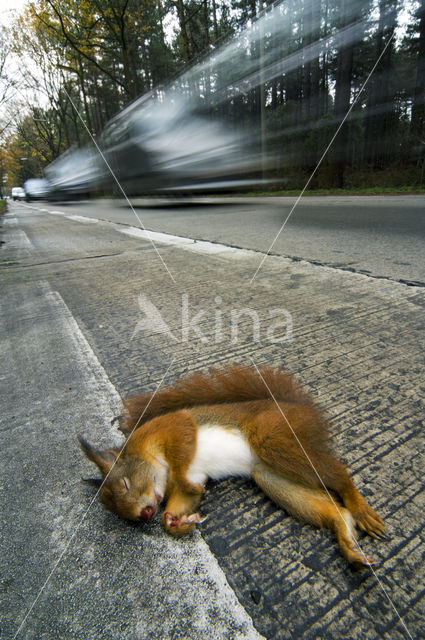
(286,432)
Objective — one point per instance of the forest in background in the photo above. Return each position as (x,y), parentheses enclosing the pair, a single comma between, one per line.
(82,61)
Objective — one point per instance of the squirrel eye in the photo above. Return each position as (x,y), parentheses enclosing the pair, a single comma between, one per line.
(126,483)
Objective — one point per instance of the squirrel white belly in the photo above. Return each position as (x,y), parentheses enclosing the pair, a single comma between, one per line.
(220,452)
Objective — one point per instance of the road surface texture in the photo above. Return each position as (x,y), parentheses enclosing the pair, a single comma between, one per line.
(78,332)
(383,236)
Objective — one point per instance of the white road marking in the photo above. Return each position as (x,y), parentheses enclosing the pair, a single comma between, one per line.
(95,377)
(166,238)
(188,244)
(17,238)
(81,218)
(11,222)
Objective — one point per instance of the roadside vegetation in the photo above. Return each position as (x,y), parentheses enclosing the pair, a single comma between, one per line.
(361,191)
(90,59)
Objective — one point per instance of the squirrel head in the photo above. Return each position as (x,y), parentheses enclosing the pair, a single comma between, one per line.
(132,487)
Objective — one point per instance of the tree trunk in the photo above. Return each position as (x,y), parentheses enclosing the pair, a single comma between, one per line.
(130,85)
(206,24)
(417,125)
(315,110)
(311,77)
(380,117)
(323,101)
(215,23)
(183,30)
(342,99)
(81,77)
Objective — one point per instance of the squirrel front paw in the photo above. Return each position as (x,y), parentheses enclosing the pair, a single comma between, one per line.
(180,525)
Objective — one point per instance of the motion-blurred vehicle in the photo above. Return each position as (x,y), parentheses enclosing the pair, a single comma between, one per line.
(36,189)
(203,132)
(158,144)
(18,193)
(164,143)
(77,173)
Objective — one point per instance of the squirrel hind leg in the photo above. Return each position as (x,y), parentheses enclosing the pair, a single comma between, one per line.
(316,507)
(336,477)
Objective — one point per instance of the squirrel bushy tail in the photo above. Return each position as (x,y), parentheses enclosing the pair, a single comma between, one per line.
(234,383)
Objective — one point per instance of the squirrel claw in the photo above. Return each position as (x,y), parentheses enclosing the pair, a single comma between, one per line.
(176,521)
(193,518)
(362,558)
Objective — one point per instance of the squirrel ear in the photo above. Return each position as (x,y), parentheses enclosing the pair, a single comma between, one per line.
(103,459)
(96,482)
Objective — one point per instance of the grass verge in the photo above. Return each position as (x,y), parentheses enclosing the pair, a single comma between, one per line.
(355,191)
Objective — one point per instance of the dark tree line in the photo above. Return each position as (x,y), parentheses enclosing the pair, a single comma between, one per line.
(97,56)
(384,133)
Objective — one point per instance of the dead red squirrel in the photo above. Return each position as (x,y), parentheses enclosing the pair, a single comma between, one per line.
(237,421)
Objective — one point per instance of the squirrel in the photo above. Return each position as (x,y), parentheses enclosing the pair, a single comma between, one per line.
(236,421)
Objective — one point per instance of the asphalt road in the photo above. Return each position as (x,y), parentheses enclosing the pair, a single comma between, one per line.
(383,236)
(74,339)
